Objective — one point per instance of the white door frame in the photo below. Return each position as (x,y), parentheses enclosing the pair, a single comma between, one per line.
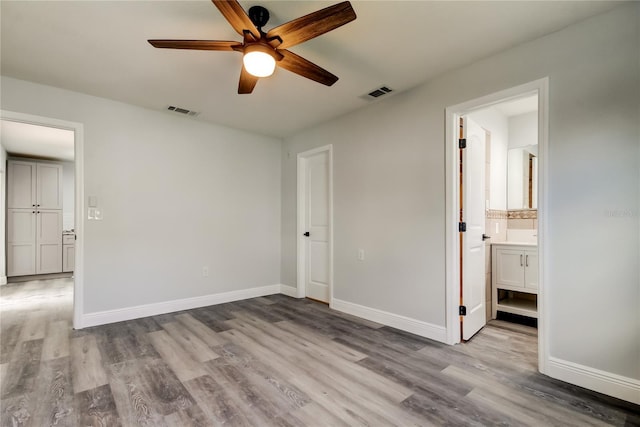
(3,230)
(300,239)
(78,131)
(541,87)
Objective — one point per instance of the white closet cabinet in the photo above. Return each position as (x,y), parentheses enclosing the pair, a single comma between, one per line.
(34,218)
(33,184)
(514,269)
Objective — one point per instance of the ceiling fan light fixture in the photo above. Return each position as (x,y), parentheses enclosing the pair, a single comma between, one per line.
(259,60)
(263,51)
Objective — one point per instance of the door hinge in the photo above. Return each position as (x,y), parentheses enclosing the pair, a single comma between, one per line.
(462,310)
(462,143)
(462,227)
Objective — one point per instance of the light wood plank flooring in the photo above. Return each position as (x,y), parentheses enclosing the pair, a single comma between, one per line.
(271,361)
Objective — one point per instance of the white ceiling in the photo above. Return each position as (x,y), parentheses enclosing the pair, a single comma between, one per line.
(23,139)
(100,48)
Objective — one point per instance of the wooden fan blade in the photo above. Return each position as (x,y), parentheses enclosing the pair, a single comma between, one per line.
(195,44)
(299,65)
(247,82)
(237,17)
(314,24)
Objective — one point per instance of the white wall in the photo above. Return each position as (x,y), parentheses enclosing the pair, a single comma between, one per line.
(389,190)
(498,124)
(383,176)
(177,195)
(523,130)
(68,193)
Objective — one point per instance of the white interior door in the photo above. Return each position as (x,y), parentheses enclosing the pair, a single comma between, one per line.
(316,226)
(473,247)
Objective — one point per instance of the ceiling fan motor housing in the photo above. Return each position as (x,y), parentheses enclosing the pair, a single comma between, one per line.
(259,16)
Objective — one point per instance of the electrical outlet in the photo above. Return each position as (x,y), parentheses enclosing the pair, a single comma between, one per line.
(361,254)
(205,271)
(497,227)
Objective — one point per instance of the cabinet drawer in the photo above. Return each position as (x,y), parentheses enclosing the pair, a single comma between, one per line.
(68,239)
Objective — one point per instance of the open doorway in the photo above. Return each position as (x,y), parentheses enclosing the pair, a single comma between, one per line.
(495,149)
(41,213)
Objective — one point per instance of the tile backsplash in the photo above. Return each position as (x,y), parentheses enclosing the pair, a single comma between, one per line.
(523,214)
(523,219)
(517,219)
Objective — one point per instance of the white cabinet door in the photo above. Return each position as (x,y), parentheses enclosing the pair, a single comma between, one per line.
(49,241)
(509,268)
(531,269)
(49,186)
(21,242)
(68,258)
(21,184)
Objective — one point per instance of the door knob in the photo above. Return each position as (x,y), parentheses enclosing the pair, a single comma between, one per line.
(485,237)
(306,234)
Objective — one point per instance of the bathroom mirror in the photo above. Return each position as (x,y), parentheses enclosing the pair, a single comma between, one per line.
(522,177)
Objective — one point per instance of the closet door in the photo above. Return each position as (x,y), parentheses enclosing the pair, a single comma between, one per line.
(21,242)
(21,188)
(49,186)
(49,241)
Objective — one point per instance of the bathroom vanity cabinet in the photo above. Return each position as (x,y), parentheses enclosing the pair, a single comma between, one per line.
(514,279)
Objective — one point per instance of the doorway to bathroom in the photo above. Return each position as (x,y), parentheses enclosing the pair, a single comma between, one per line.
(495,211)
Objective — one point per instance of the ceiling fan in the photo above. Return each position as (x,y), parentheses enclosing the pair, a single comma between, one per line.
(263,51)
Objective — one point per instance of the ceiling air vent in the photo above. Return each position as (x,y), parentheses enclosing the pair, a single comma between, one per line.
(183,111)
(378,92)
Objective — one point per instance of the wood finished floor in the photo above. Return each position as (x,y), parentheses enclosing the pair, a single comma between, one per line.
(271,361)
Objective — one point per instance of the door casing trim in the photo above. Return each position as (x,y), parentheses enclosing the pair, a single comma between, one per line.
(452,263)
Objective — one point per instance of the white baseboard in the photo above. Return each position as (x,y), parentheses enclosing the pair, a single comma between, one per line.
(289,291)
(136,312)
(594,379)
(418,327)
(3,280)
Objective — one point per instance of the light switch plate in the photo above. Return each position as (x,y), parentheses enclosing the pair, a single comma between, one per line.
(98,214)
(93,202)
(92,214)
